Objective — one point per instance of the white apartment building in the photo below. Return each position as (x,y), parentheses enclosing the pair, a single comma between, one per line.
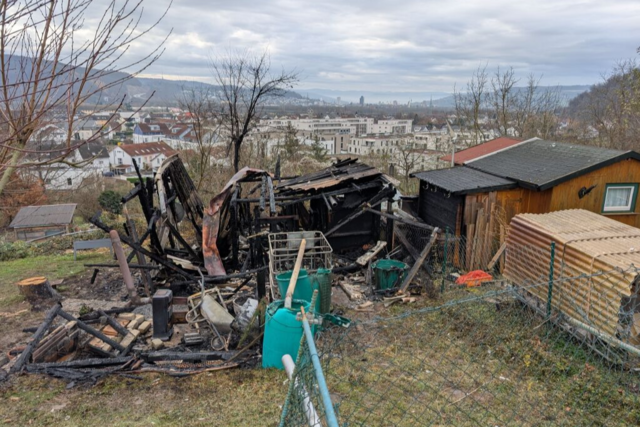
(378,144)
(392,127)
(326,126)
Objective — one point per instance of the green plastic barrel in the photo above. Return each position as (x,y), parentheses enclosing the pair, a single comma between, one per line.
(304,286)
(322,280)
(388,273)
(282,332)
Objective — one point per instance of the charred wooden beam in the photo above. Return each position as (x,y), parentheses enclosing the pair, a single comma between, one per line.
(222,279)
(134,266)
(114,323)
(83,363)
(401,219)
(158,356)
(158,259)
(272,198)
(263,193)
(423,256)
(44,326)
(91,331)
(372,202)
(94,315)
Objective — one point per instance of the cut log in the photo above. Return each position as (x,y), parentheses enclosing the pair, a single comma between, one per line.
(37,288)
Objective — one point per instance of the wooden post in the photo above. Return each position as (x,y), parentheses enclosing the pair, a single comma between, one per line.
(294,274)
(419,261)
(124,267)
(390,224)
(142,260)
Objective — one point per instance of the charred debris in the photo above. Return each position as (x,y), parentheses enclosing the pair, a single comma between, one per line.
(200,275)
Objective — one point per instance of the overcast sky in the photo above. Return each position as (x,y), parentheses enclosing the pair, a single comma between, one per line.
(402,45)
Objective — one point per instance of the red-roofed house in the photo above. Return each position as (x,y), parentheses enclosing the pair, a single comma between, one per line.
(148,155)
(481,150)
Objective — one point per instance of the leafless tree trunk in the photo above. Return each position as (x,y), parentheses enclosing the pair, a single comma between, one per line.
(49,71)
(205,121)
(246,82)
(470,103)
(502,98)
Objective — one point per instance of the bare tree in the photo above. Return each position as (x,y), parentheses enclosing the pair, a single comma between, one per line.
(610,114)
(408,162)
(502,98)
(205,124)
(246,82)
(469,104)
(49,71)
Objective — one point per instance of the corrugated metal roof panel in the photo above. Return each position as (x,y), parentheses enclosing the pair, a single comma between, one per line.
(348,170)
(594,266)
(41,216)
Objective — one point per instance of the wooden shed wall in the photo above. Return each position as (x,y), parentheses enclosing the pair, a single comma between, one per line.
(438,209)
(565,195)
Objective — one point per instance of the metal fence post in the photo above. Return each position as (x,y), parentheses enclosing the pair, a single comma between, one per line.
(444,260)
(550,295)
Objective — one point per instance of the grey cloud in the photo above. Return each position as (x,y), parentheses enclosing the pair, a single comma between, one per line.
(412,45)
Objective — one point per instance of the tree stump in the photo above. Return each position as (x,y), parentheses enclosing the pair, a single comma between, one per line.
(37,288)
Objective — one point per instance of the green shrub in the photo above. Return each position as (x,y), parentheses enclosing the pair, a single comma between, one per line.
(14,250)
(20,249)
(111,201)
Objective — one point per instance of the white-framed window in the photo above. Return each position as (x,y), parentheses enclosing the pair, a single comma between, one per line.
(620,198)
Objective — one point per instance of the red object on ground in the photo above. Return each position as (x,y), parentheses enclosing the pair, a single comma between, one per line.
(474,278)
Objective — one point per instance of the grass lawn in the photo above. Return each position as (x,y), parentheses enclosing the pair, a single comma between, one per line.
(237,397)
(51,266)
(479,363)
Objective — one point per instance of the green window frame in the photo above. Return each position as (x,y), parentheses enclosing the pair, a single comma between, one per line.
(628,207)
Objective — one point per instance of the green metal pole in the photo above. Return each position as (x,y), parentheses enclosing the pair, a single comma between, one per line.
(444,260)
(550,295)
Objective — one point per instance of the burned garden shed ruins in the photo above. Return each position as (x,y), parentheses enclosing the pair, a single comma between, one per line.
(205,270)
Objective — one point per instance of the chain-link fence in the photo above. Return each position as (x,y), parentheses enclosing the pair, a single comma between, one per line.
(537,344)
(308,402)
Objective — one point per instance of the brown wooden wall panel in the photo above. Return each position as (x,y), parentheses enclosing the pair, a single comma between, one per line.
(565,195)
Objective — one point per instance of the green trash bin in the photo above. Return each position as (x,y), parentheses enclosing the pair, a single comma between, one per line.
(304,286)
(388,273)
(282,332)
(322,281)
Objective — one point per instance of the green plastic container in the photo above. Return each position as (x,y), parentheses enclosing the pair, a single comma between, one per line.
(304,286)
(282,332)
(388,273)
(322,281)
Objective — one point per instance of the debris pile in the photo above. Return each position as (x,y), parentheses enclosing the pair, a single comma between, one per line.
(201,278)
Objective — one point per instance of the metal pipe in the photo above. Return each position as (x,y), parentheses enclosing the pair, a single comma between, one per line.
(331,418)
(310,410)
(124,267)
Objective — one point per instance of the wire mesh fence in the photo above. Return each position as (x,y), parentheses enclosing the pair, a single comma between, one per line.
(308,402)
(537,344)
(480,360)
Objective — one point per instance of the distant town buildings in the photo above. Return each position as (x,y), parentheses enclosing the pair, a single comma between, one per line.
(148,155)
(362,100)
